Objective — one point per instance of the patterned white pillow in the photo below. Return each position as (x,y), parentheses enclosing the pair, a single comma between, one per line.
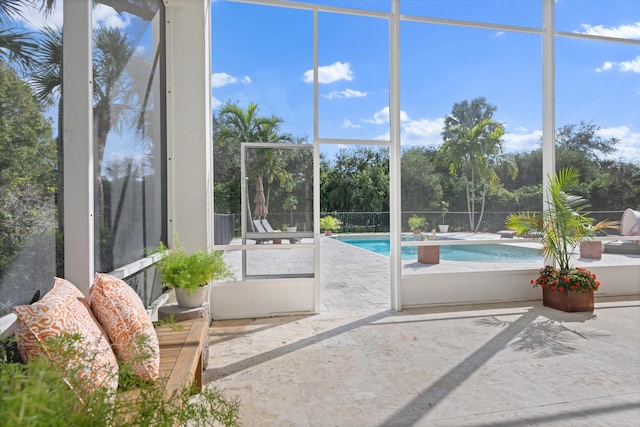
(121,313)
(63,311)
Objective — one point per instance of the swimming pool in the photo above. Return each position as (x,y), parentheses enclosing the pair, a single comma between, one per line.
(473,253)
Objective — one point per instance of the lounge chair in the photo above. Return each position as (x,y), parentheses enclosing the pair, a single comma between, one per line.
(257,224)
(270,229)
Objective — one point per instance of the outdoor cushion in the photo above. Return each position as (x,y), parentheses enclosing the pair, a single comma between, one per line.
(622,247)
(61,312)
(121,313)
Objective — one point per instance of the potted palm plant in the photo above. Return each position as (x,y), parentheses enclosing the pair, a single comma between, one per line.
(560,228)
(416,223)
(329,224)
(444,206)
(189,274)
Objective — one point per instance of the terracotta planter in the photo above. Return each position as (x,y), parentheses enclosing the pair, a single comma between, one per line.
(567,301)
(429,254)
(591,250)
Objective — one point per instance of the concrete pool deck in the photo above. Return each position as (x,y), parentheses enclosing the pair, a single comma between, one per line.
(355,279)
(358,363)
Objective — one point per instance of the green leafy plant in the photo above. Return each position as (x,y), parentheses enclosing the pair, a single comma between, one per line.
(329,222)
(560,228)
(190,271)
(416,221)
(42,393)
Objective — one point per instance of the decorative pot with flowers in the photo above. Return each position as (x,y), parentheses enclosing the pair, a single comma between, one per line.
(560,228)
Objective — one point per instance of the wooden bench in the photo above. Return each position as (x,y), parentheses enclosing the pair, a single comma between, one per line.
(181,355)
(181,362)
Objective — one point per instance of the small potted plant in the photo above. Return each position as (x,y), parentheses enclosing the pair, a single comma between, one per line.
(560,228)
(329,224)
(444,207)
(416,223)
(189,274)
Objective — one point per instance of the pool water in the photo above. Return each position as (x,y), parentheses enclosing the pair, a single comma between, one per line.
(478,253)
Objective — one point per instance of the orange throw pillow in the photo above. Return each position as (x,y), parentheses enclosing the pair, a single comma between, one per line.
(121,313)
(61,312)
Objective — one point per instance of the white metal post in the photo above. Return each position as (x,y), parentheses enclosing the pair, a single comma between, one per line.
(394,156)
(548,99)
(78,144)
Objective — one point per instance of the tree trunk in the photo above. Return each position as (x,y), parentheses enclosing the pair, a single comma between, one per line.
(484,194)
(469,208)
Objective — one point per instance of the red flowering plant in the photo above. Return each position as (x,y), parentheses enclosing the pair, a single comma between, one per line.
(560,228)
(575,280)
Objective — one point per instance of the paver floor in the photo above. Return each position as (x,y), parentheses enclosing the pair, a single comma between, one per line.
(358,363)
(489,365)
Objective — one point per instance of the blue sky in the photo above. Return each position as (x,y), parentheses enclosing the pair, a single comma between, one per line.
(263,54)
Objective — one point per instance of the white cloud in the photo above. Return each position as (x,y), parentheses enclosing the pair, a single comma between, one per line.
(347,93)
(629,147)
(330,73)
(106,16)
(500,33)
(422,132)
(382,116)
(630,31)
(34,20)
(224,79)
(624,66)
(348,125)
(606,66)
(522,140)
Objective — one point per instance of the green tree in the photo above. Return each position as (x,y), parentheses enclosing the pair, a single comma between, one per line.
(473,150)
(584,138)
(421,185)
(358,181)
(46,82)
(235,126)
(16,45)
(19,46)
(27,167)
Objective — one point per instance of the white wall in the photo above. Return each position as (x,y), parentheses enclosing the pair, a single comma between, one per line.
(495,286)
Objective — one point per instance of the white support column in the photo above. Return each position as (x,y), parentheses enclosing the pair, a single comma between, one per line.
(548,100)
(316,169)
(190,160)
(78,144)
(548,91)
(395,205)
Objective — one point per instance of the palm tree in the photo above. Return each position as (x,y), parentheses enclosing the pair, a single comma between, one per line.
(46,82)
(269,165)
(15,45)
(472,149)
(563,223)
